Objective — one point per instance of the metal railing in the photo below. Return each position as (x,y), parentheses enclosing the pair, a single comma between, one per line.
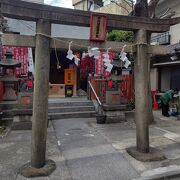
(162,39)
(100,86)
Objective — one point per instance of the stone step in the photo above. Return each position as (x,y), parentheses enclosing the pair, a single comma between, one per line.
(6,121)
(7,114)
(14,112)
(4,105)
(70,109)
(66,115)
(68,103)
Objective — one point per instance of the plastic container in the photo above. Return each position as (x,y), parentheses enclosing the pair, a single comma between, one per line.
(100,119)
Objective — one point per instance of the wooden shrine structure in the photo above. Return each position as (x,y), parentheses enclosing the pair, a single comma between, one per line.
(44,16)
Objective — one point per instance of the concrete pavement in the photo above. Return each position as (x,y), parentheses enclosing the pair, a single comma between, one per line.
(84,150)
(15,151)
(88,153)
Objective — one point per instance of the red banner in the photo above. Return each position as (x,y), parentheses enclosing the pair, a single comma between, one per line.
(99,65)
(21,55)
(86,66)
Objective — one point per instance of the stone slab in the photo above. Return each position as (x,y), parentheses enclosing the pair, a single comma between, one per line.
(100,167)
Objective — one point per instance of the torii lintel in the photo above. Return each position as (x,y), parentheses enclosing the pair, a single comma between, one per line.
(32,12)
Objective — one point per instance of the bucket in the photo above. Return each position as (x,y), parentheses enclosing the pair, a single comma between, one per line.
(155,105)
(100,119)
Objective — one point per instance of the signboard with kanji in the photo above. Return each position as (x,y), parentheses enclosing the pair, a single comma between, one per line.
(21,55)
(98,27)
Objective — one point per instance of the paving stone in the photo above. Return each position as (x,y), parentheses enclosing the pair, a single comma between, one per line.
(110,166)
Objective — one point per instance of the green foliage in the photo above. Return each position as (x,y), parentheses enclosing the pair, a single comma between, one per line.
(121,36)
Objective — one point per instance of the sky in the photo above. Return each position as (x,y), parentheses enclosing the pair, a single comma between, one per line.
(61,3)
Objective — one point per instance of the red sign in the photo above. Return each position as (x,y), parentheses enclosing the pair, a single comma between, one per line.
(99,65)
(98,27)
(21,55)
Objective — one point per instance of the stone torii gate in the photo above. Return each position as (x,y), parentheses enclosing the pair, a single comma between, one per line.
(44,15)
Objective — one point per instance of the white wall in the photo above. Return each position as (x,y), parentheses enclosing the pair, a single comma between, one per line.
(165,79)
(175,34)
(24,27)
(75,32)
(154,78)
(58,30)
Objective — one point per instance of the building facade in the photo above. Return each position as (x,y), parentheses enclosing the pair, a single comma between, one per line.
(87,5)
(119,7)
(165,71)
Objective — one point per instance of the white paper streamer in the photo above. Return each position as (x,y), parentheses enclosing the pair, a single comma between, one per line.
(90,52)
(126,65)
(70,54)
(76,60)
(122,56)
(30,60)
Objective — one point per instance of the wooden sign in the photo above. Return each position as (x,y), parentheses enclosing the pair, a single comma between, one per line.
(98,27)
(69,76)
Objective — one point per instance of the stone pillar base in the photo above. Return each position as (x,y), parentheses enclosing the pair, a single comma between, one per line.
(153,155)
(29,172)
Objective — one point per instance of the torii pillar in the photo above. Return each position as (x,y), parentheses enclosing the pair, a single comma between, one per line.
(141,88)
(39,166)
(142,151)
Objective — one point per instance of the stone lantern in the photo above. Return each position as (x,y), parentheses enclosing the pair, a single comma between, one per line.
(9,80)
(115,104)
(116,73)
